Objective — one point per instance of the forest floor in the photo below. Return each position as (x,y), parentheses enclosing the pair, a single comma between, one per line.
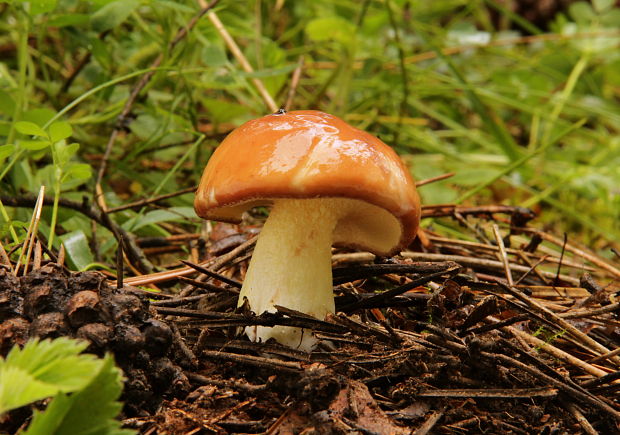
(512,333)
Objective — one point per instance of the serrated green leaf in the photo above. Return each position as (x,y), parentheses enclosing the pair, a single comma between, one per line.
(18,388)
(39,370)
(30,128)
(78,249)
(90,411)
(112,14)
(60,130)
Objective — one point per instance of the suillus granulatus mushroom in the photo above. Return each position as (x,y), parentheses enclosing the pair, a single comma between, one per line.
(328,184)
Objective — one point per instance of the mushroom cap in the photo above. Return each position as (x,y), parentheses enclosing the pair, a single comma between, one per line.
(311,154)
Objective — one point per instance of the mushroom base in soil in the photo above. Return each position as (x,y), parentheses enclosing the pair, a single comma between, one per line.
(291,265)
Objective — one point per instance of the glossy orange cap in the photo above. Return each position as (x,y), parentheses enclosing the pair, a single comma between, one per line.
(306,154)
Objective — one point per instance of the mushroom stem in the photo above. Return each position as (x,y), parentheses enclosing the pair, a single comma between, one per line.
(291,267)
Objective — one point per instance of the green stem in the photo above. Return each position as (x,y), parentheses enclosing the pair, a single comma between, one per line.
(9,165)
(571,82)
(54,213)
(57,185)
(22,61)
(5,216)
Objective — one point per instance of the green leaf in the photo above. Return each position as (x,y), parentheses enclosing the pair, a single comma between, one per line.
(66,20)
(601,6)
(39,116)
(65,152)
(77,171)
(581,12)
(19,388)
(90,411)
(101,52)
(223,111)
(60,130)
(112,14)
(30,128)
(7,104)
(33,145)
(611,19)
(270,72)
(39,370)
(159,216)
(331,29)
(5,151)
(78,249)
(473,176)
(41,6)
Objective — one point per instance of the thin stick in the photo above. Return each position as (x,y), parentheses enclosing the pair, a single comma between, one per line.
(573,392)
(119,264)
(498,393)
(589,313)
(475,245)
(554,351)
(238,54)
(32,230)
(502,253)
(36,262)
(61,255)
(429,424)
(433,179)
(581,419)
(577,251)
(5,258)
(256,361)
(400,290)
(148,201)
(584,339)
(555,281)
(364,257)
(606,356)
(294,83)
(533,267)
(213,274)
(215,263)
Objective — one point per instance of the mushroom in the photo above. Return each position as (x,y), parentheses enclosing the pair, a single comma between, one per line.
(327,183)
